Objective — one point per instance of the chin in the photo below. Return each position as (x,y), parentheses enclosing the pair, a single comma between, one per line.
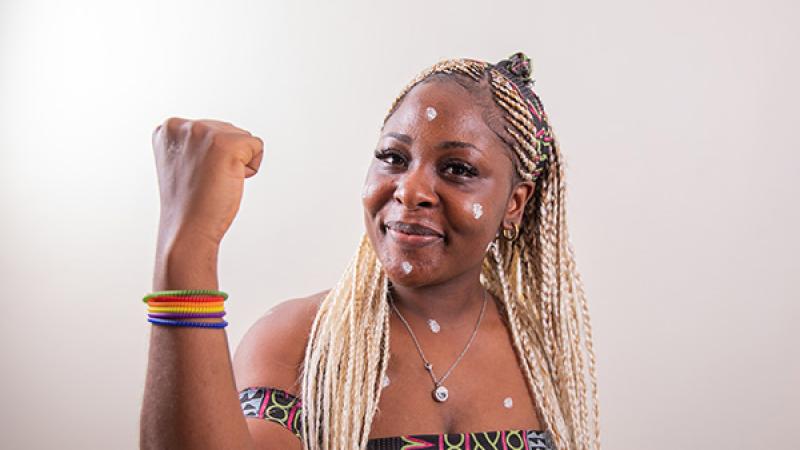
(409,270)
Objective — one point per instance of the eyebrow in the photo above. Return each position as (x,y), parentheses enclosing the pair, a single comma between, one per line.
(456,144)
(406,139)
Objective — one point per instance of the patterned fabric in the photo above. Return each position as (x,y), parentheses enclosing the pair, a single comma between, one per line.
(274,405)
(285,409)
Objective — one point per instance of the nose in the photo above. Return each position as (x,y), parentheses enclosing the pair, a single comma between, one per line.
(416,189)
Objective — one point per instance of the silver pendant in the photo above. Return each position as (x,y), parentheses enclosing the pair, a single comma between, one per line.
(440,394)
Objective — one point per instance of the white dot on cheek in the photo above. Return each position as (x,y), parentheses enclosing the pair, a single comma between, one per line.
(477,210)
(407,267)
(386,380)
(508,403)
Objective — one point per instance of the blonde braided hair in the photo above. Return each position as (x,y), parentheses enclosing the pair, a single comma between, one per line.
(535,276)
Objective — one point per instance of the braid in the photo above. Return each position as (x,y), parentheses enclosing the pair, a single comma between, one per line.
(543,300)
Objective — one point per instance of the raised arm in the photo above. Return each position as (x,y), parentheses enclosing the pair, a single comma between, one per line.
(190,399)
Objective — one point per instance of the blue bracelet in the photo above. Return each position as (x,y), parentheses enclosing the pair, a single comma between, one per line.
(186,323)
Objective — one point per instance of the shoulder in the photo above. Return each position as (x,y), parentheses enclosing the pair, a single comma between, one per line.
(272,351)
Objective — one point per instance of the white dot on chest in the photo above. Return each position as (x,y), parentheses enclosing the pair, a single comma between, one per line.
(434,325)
(508,402)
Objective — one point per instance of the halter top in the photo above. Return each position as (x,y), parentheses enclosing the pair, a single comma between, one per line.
(276,405)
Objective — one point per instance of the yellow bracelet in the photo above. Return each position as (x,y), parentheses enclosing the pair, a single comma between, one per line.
(184,309)
(192,304)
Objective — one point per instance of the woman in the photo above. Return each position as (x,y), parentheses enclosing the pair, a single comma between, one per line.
(466,259)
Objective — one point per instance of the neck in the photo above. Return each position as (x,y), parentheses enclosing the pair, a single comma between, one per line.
(449,303)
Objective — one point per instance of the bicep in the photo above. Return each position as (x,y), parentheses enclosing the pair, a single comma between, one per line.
(272,436)
(270,355)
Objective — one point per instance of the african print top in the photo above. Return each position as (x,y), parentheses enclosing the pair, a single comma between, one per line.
(285,409)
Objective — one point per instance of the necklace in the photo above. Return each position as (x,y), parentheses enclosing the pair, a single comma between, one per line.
(440,392)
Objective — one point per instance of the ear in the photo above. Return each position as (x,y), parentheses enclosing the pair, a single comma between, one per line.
(520,195)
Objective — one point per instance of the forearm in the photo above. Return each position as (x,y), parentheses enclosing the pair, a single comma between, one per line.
(190,399)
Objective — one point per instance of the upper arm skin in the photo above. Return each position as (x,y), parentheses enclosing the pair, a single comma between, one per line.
(271,353)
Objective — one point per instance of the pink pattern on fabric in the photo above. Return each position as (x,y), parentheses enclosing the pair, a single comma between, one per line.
(503,438)
(291,415)
(264,403)
(417,442)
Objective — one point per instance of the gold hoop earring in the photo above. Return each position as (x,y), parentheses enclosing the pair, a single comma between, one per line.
(510,234)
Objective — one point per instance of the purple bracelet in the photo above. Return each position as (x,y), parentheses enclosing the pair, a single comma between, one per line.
(182,323)
(186,315)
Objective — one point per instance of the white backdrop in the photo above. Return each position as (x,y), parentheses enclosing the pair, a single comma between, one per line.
(677,118)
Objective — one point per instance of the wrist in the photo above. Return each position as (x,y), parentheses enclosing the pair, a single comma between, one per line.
(187,261)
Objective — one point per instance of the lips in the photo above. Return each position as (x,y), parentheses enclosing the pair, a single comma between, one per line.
(412,235)
(416,229)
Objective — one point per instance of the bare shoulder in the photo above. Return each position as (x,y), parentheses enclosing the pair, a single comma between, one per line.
(272,351)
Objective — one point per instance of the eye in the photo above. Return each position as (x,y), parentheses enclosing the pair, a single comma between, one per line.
(459,169)
(391,157)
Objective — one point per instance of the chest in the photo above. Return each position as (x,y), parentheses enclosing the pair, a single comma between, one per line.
(487,390)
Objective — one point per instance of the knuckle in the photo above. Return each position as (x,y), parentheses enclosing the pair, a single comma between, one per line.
(198,127)
(220,139)
(173,123)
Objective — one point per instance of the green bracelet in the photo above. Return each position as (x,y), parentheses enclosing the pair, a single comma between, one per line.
(185,293)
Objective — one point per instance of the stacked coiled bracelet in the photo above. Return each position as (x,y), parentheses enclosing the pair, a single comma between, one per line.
(177,308)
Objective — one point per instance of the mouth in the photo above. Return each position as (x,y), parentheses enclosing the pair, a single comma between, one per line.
(410,234)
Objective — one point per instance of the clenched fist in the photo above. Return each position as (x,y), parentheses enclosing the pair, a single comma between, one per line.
(202,165)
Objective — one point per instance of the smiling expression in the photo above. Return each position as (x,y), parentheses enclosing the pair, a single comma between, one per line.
(425,180)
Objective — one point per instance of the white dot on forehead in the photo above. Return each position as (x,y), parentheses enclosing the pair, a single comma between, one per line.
(508,402)
(430,112)
(407,267)
(477,210)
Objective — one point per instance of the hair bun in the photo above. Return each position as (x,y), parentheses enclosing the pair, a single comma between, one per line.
(520,65)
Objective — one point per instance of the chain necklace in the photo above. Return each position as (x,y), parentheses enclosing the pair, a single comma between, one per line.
(440,393)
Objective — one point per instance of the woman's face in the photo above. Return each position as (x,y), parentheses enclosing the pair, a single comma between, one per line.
(439,187)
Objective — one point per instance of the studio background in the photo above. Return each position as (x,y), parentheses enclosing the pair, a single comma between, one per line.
(678,121)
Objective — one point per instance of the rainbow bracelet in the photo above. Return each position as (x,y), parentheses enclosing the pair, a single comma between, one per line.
(173,308)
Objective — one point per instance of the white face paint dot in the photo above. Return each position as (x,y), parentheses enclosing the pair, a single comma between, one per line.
(508,403)
(477,210)
(407,267)
(430,112)
(434,325)
(386,381)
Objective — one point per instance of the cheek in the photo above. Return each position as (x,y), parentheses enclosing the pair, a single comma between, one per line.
(375,193)
(368,190)
(476,218)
